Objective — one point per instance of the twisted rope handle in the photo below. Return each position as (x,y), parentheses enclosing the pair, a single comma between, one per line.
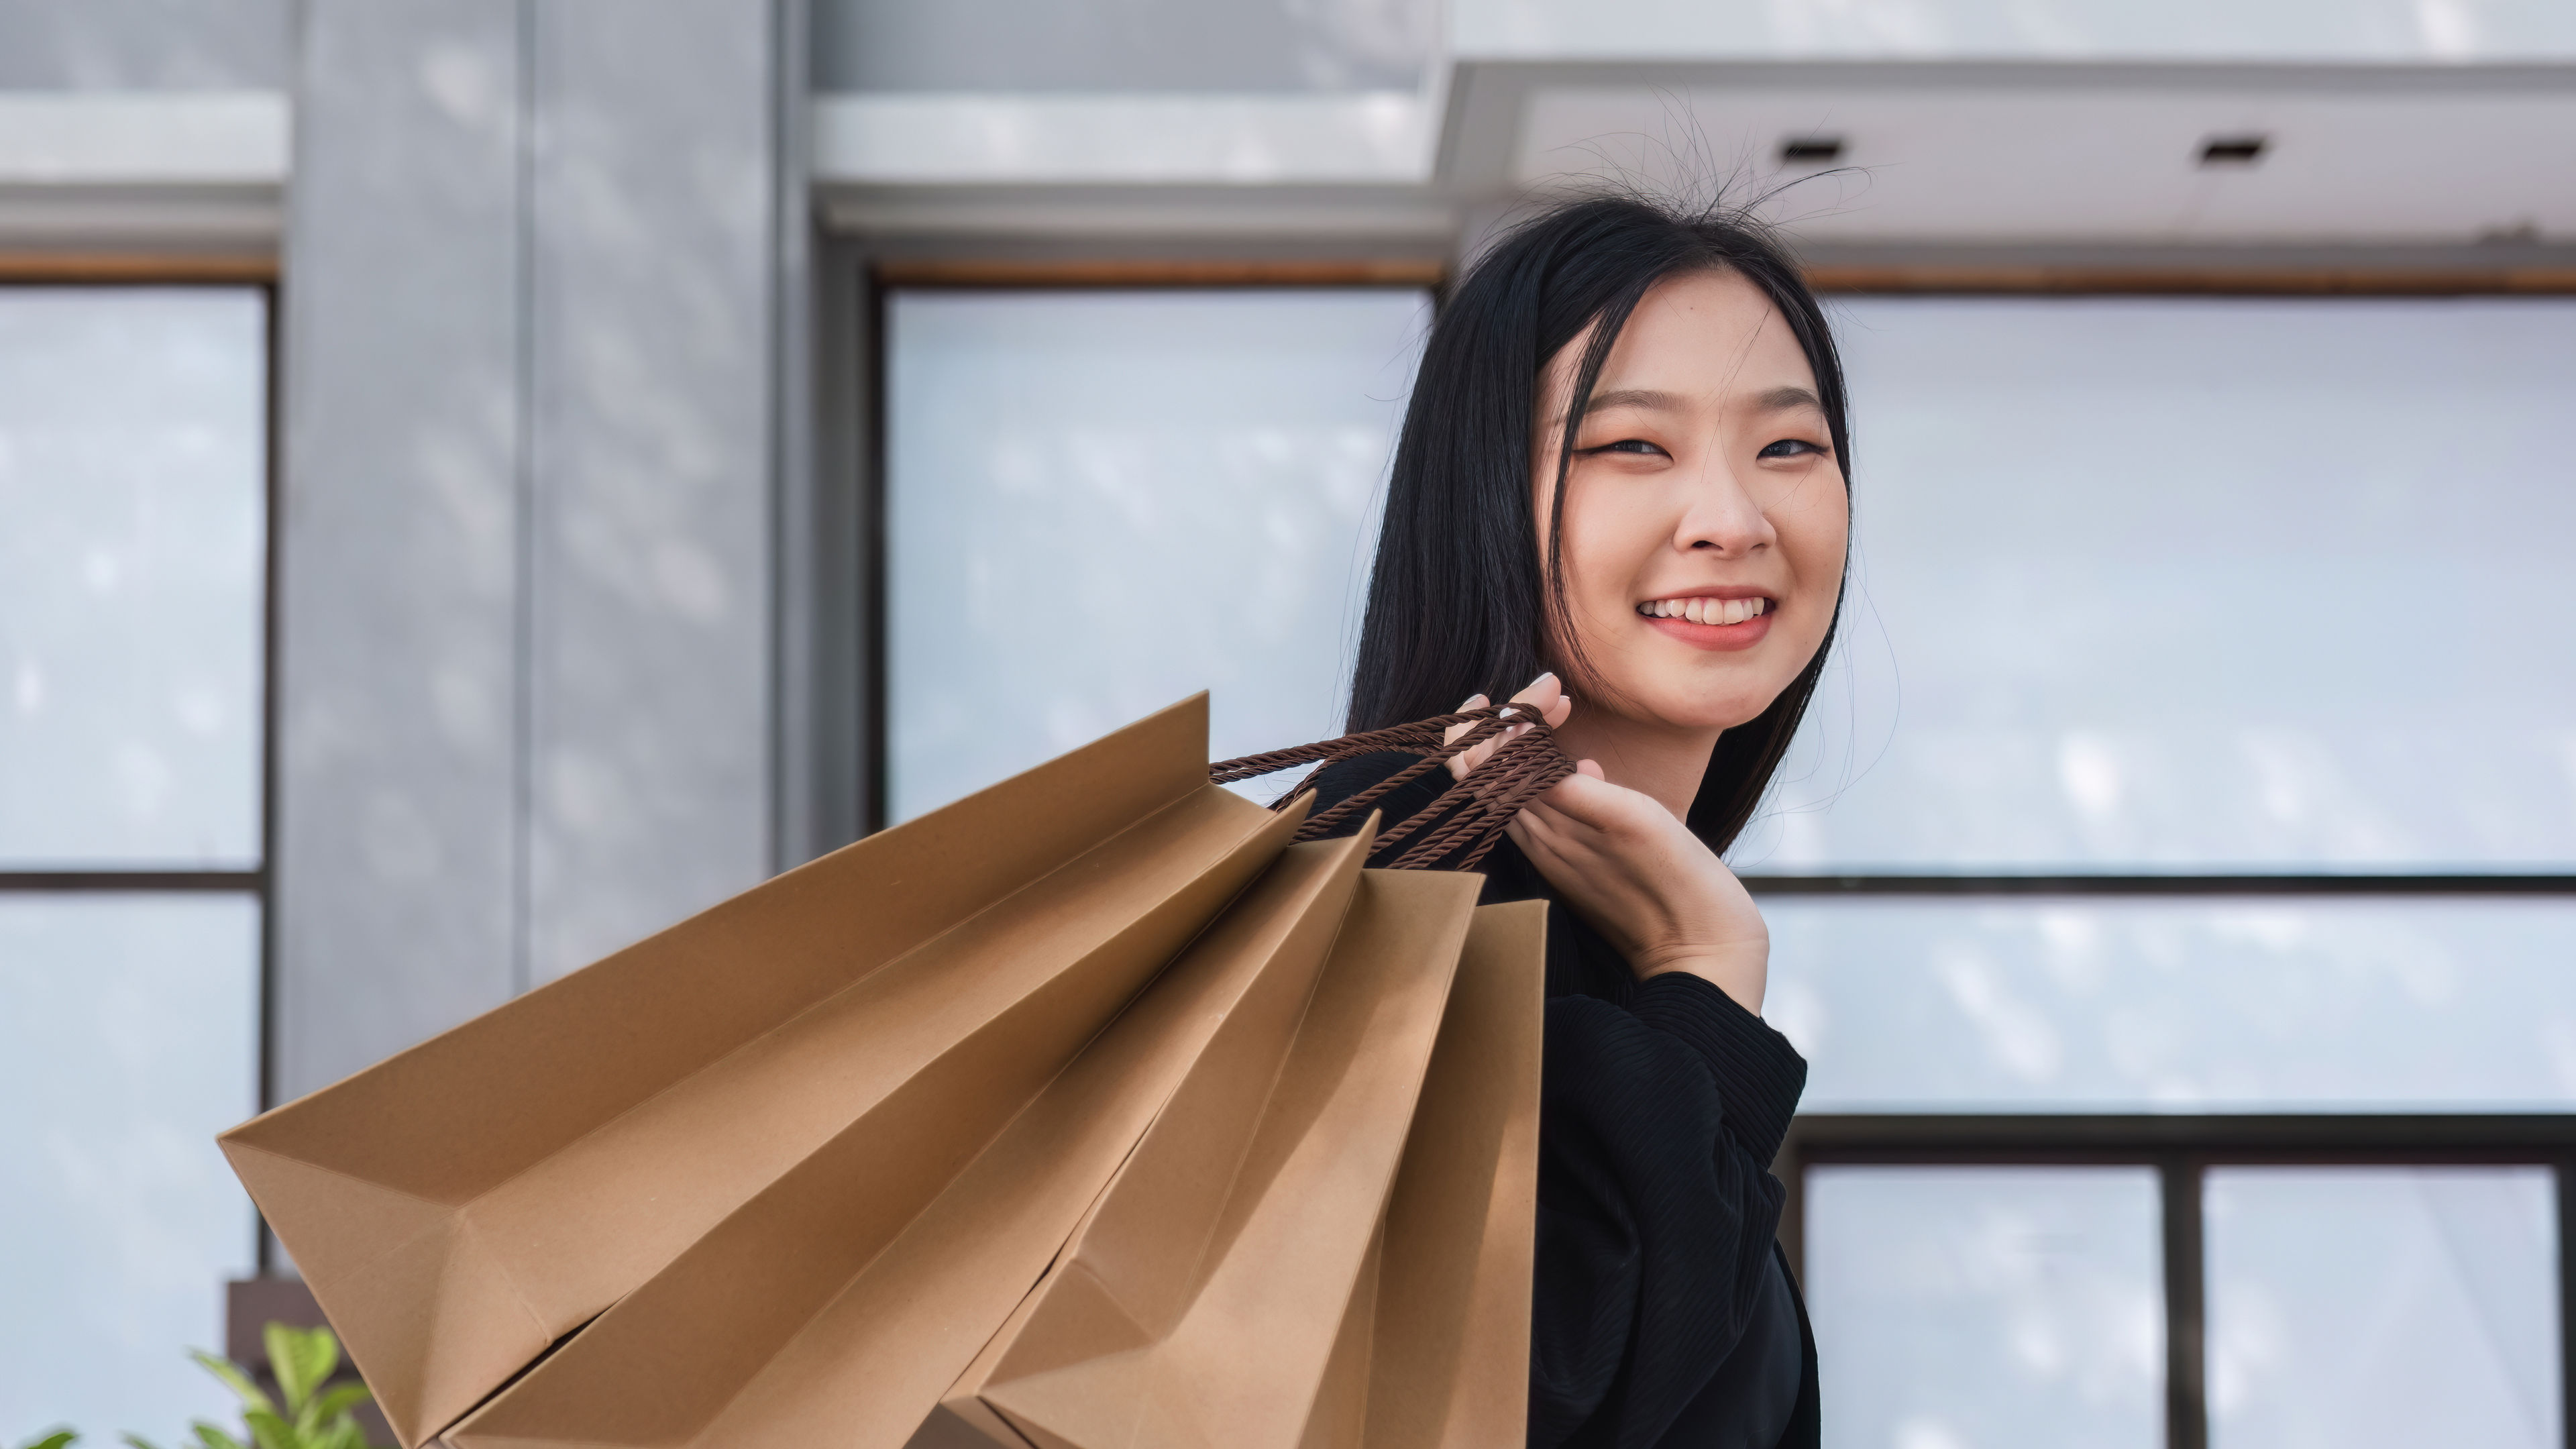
(1519,771)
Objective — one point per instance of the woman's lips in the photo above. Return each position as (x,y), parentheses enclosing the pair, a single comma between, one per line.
(1716,636)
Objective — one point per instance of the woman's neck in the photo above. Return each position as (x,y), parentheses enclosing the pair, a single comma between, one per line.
(1655,760)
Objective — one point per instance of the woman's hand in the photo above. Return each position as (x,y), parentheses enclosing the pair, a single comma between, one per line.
(1637,874)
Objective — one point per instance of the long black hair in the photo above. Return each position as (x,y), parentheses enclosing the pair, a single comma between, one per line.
(1460,601)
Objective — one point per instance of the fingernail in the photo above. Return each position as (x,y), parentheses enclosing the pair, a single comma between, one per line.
(1542,679)
(1474,701)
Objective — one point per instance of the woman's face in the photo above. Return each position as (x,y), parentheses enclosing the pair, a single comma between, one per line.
(1705,516)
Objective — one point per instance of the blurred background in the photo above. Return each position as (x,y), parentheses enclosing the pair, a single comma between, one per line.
(483,479)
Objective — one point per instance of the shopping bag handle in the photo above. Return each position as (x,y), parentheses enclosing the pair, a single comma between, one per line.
(1469,815)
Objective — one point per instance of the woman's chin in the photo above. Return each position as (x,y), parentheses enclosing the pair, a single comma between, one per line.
(1686,711)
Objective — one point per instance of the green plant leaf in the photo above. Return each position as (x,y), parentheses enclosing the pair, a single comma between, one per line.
(210,1437)
(332,1403)
(302,1359)
(54,1440)
(269,1431)
(234,1379)
(137,1441)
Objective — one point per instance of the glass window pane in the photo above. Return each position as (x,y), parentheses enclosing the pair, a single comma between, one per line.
(132,515)
(2301,1004)
(1102,502)
(2163,582)
(130,1026)
(1962,1307)
(2382,1307)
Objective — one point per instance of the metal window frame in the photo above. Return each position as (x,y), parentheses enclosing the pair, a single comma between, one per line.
(850,402)
(2181,1148)
(47,272)
(854,283)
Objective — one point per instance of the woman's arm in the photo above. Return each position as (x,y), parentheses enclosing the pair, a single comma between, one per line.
(1656,1206)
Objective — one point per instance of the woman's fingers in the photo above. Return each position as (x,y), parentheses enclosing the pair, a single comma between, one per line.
(1473,701)
(1542,695)
(1461,763)
(1588,799)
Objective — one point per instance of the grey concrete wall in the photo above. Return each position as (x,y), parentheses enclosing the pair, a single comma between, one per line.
(1123,45)
(111,45)
(653,247)
(526,609)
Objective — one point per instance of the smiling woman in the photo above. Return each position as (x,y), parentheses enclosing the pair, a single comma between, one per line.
(1623,466)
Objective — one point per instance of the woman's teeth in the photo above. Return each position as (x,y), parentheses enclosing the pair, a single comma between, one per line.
(1704,611)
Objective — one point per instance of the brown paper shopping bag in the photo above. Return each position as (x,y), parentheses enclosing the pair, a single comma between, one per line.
(462,1206)
(1435,1345)
(1205,1297)
(829,1311)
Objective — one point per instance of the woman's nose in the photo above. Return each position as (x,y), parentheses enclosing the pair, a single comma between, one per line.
(1724,517)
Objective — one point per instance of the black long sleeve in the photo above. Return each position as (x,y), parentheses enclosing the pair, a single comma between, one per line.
(1662,1317)
(1657,1208)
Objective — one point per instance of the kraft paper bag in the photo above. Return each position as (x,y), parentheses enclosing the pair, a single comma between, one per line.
(836,1307)
(1445,1360)
(1204,1299)
(460,1207)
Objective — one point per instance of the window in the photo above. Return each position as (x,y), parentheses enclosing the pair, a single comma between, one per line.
(2184,979)
(133,568)
(2172,890)
(1098,502)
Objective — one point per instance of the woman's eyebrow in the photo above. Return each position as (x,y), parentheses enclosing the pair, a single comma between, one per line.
(1777,400)
(1634,397)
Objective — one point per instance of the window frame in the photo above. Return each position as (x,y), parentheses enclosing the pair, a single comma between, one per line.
(846,638)
(849,636)
(257,274)
(2180,1146)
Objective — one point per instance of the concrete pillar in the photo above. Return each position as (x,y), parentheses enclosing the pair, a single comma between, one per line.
(532,296)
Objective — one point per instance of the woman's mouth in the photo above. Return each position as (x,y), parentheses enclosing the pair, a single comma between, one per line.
(1704,622)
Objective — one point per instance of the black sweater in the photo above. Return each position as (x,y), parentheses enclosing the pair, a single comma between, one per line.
(1663,1314)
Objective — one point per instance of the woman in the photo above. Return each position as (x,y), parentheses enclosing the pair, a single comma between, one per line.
(1623,468)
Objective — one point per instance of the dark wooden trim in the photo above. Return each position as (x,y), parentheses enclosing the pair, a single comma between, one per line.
(2213,1137)
(1160,272)
(76,882)
(832,537)
(2043,280)
(875,772)
(2177,884)
(135,268)
(2565,1181)
(2178,1183)
(272,616)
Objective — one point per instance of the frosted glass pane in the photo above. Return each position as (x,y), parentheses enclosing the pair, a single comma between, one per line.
(2382,1307)
(130,1026)
(1983,1307)
(132,518)
(1102,502)
(2332,1005)
(2201,583)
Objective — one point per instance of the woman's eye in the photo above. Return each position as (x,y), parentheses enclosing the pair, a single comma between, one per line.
(1789,448)
(1637,446)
